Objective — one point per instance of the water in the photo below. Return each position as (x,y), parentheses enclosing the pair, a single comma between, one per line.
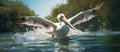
(87,42)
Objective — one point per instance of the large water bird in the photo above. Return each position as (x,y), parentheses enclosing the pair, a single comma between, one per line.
(60,29)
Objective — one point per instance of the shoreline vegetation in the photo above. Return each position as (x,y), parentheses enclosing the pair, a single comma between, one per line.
(11,10)
(108,18)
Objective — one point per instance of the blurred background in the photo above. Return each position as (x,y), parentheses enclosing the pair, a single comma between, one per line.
(101,34)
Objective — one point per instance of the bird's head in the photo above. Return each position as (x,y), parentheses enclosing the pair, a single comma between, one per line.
(61,17)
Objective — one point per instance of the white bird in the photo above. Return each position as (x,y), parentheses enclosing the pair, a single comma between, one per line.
(60,29)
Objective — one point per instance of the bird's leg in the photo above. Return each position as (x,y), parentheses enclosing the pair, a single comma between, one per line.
(49,32)
(53,35)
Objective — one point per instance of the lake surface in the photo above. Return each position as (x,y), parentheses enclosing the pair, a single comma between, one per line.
(77,43)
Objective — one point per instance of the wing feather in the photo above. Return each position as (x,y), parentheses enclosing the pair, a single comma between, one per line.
(81,17)
(45,25)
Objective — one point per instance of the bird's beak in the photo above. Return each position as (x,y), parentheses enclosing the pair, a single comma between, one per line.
(66,22)
(19,21)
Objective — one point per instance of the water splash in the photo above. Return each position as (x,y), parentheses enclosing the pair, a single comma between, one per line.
(102,32)
(39,36)
(35,36)
(77,32)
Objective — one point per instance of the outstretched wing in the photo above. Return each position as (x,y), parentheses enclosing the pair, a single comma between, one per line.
(81,17)
(44,24)
(85,15)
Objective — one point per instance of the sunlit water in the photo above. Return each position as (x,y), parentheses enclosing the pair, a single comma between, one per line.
(76,41)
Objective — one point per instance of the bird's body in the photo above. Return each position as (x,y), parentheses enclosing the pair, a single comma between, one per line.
(60,29)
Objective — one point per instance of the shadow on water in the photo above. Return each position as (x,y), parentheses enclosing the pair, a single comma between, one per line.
(107,43)
(63,45)
(90,44)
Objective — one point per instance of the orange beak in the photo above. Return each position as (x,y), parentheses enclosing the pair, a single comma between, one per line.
(66,22)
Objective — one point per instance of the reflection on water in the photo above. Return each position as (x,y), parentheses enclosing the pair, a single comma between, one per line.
(76,43)
(63,45)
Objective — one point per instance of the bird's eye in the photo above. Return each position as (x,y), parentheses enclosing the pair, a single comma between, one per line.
(61,16)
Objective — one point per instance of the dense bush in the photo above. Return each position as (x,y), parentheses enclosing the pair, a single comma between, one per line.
(10,10)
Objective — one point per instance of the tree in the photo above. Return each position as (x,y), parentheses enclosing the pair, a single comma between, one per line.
(10,10)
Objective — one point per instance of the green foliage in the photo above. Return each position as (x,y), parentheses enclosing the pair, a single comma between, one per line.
(10,10)
(108,17)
